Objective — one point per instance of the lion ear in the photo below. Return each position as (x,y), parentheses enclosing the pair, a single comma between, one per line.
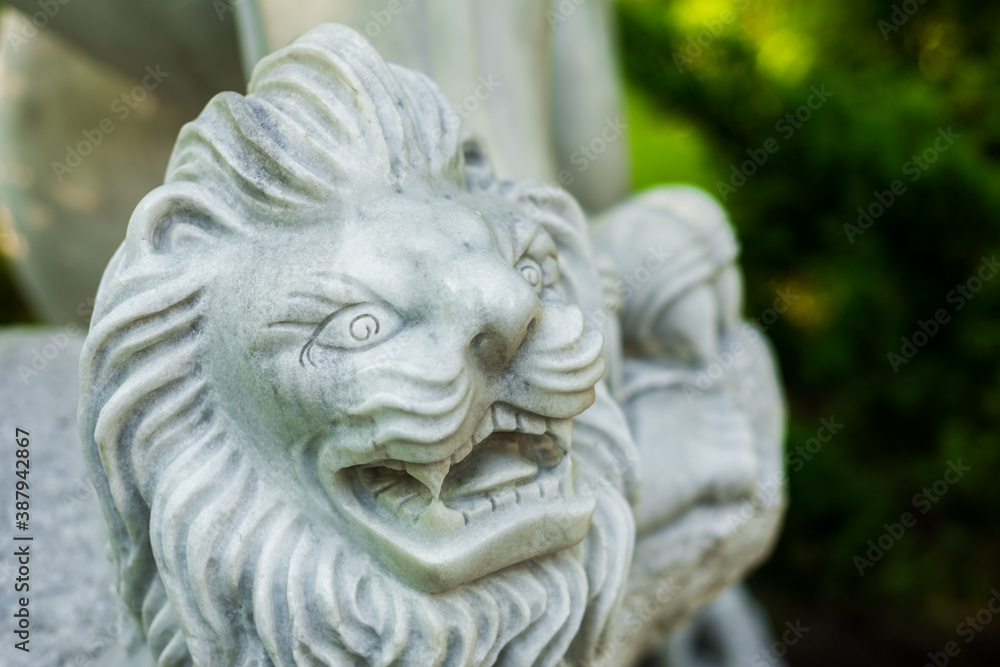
(174,216)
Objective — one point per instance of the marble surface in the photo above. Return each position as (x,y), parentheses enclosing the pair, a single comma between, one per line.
(348,394)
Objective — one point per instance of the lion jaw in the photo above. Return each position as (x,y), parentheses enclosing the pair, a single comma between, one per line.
(507,496)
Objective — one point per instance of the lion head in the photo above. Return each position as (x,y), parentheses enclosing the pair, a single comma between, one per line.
(338,396)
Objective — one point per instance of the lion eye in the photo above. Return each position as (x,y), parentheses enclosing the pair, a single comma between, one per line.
(532,272)
(357,326)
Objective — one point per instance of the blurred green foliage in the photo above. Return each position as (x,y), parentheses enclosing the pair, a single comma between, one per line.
(893,90)
(13,309)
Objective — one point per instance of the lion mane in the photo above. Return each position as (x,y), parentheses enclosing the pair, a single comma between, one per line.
(212,560)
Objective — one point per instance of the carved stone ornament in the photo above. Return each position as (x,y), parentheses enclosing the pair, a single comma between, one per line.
(348,399)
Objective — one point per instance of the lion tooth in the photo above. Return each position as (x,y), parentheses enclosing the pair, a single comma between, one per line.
(430,475)
(484,429)
(548,457)
(549,487)
(528,492)
(398,501)
(476,506)
(530,423)
(504,418)
(503,498)
(413,506)
(562,433)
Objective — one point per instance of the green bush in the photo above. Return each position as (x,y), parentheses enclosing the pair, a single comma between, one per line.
(860,290)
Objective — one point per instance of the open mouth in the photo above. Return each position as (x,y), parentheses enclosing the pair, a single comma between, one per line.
(506,496)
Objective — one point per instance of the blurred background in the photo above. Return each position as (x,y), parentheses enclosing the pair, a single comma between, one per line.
(860,290)
(797,115)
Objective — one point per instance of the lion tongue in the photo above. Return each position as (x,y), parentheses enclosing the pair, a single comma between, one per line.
(430,475)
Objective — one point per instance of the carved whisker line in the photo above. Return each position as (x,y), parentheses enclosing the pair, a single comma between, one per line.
(137,338)
(167,430)
(302,577)
(162,630)
(203,564)
(486,610)
(125,406)
(204,569)
(120,335)
(569,611)
(393,366)
(199,214)
(417,405)
(175,653)
(580,351)
(420,430)
(264,511)
(614,525)
(270,603)
(112,431)
(161,624)
(185,495)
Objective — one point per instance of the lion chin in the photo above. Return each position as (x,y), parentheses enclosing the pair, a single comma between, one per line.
(339,399)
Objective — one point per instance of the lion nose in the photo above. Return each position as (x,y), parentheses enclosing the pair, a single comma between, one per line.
(508,306)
